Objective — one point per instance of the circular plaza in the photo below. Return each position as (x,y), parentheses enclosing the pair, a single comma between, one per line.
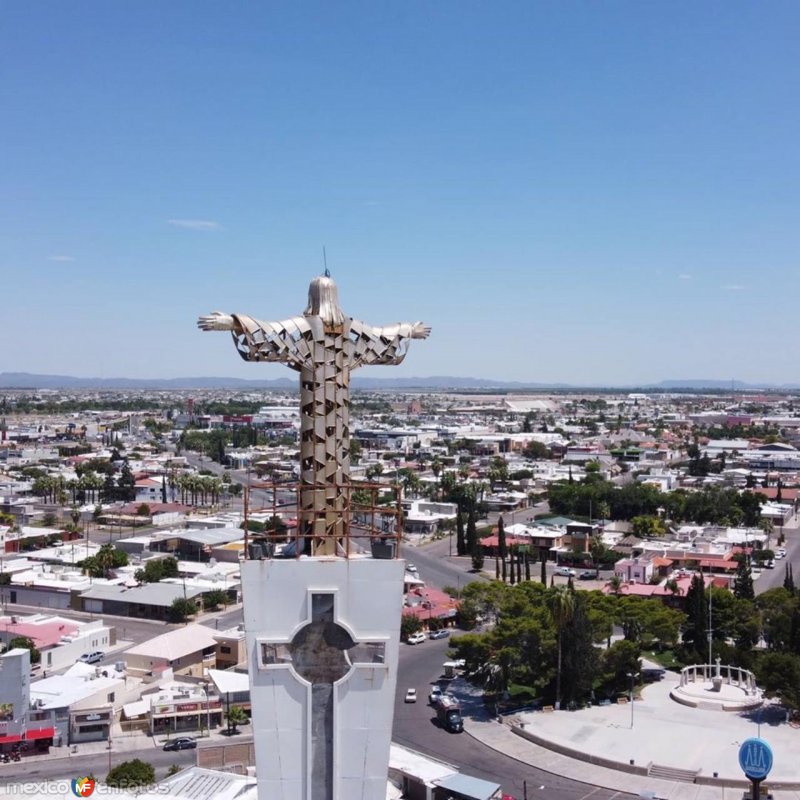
(695,738)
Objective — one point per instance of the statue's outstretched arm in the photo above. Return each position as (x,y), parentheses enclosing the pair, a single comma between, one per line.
(387,344)
(284,341)
(216,321)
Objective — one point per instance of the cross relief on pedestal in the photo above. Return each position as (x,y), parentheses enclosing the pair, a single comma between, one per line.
(322,653)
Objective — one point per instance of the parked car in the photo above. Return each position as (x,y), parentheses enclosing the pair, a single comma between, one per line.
(411,695)
(650,674)
(180,744)
(435,695)
(411,568)
(587,575)
(93,658)
(416,638)
(770,564)
(442,633)
(565,572)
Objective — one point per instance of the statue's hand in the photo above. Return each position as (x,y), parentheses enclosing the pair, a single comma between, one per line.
(420,331)
(215,321)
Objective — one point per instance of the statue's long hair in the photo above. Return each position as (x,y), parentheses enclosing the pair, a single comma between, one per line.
(323,301)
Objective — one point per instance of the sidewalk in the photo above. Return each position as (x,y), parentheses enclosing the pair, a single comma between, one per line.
(499,736)
(128,742)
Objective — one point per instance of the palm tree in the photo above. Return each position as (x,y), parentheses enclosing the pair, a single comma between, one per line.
(436,469)
(561,604)
(616,584)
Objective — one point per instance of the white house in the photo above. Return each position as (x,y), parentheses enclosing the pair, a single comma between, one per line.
(634,570)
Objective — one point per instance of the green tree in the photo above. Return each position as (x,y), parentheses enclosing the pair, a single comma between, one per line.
(743,582)
(536,451)
(106,559)
(696,626)
(126,483)
(779,675)
(181,609)
(477,555)
(776,607)
(561,604)
(156,569)
(498,471)
(135,774)
(543,572)
(616,663)
(461,544)
(409,624)
(597,550)
(236,716)
(501,538)
(648,527)
(355,451)
(25,643)
(143,510)
(578,655)
(788,579)
(472,532)
(214,599)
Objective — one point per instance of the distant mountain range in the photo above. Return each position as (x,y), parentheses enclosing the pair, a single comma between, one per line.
(26,380)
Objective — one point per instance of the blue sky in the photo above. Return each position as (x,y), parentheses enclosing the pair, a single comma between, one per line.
(594,192)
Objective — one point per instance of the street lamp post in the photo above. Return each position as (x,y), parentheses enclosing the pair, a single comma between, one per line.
(208,710)
(632,675)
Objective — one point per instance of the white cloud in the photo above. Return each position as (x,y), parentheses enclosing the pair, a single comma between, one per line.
(60,258)
(684,276)
(196,224)
(734,287)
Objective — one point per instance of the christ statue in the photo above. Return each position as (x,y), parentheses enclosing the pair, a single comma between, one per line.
(324,346)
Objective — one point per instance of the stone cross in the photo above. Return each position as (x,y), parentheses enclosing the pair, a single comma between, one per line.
(322,652)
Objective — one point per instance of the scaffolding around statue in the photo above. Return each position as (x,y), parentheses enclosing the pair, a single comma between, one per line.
(371,513)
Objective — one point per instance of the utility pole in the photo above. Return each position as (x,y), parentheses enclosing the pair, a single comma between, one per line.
(710,630)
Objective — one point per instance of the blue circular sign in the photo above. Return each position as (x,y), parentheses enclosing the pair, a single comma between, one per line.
(755,759)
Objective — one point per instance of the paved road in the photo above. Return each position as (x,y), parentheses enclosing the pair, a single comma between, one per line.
(80,764)
(772,578)
(415,727)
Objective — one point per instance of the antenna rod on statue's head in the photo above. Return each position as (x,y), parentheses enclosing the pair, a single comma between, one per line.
(325,262)
(323,300)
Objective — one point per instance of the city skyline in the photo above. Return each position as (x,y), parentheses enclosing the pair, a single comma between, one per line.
(610,188)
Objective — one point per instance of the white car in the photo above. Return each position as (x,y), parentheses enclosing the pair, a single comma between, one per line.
(416,638)
(565,572)
(435,695)
(411,695)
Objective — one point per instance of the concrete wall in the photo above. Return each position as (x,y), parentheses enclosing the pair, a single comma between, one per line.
(290,729)
(15,669)
(45,598)
(95,636)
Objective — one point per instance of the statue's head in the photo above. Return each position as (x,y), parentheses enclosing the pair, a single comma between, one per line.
(323,301)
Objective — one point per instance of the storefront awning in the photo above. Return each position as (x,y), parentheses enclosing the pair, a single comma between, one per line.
(138,708)
(14,737)
(40,733)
